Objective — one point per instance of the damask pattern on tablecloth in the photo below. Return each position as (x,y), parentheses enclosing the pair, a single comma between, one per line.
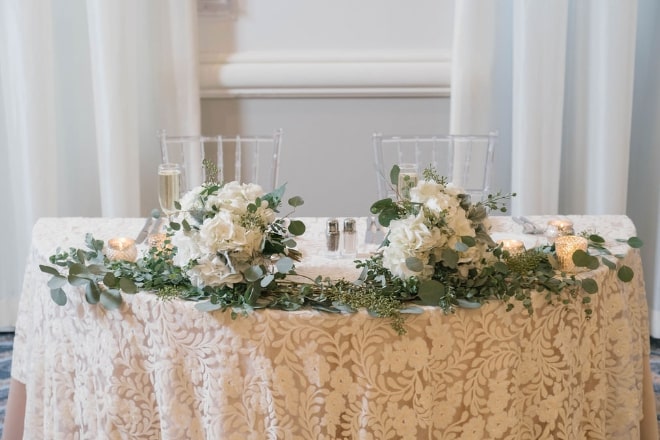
(161,369)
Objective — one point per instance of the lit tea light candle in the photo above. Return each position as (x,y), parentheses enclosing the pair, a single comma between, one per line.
(565,246)
(514,247)
(558,228)
(121,248)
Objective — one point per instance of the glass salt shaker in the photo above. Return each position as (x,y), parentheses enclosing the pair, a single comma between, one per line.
(349,238)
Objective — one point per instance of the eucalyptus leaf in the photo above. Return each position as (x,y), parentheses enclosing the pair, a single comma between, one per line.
(461,247)
(468,304)
(296,227)
(431,292)
(469,241)
(583,259)
(49,270)
(394,175)
(207,306)
(97,269)
(77,269)
(596,238)
(289,242)
(450,258)
(589,285)
(414,264)
(608,263)
(58,296)
(127,285)
(75,280)
(324,308)
(252,294)
(253,273)
(111,299)
(110,280)
(296,201)
(284,265)
(635,242)
(343,308)
(92,293)
(56,282)
(265,281)
(625,273)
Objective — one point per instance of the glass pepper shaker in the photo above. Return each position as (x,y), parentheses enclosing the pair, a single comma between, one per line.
(332,236)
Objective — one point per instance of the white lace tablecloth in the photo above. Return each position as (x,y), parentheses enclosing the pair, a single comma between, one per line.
(163,370)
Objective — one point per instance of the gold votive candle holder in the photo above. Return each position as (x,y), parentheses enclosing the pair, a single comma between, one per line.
(514,247)
(565,247)
(557,228)
(157,240)
(121,248)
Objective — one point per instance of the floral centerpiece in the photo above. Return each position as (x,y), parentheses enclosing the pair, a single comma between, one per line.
(224,233)
(225,244)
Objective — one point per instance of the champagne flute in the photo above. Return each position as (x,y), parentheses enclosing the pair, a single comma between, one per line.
(169,187)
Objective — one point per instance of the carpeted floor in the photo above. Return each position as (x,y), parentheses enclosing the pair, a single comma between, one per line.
(655,371)
(6,345)
(7,340)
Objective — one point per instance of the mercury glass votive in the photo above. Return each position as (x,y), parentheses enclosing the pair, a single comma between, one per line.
(514,247)
(558,228)
(121,248)
(158,241)
(565,247)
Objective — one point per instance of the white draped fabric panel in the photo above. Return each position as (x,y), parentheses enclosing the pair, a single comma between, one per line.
(575,68)
(539,43)
(84,88)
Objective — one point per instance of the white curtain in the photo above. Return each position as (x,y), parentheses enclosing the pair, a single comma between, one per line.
(84,88)
(572,87)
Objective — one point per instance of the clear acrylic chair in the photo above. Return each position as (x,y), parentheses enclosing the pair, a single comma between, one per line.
(246,159)
(465,160)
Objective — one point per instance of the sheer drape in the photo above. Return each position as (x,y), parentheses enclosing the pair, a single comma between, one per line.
(84,88)
(558,83)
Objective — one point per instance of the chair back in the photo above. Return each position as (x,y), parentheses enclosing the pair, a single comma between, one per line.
(465,160)
(245,159)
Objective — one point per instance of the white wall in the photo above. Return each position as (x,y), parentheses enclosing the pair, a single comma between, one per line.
(326,153)
(329,74)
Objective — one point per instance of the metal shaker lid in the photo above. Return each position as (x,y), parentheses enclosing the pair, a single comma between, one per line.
(349,225)
(332,225)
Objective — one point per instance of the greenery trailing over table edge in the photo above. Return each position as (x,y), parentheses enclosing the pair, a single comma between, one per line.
(494,274)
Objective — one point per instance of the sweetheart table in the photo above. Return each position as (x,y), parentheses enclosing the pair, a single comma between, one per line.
(156,369)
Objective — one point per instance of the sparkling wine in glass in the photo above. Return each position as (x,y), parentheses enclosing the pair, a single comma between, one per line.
(169,186)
